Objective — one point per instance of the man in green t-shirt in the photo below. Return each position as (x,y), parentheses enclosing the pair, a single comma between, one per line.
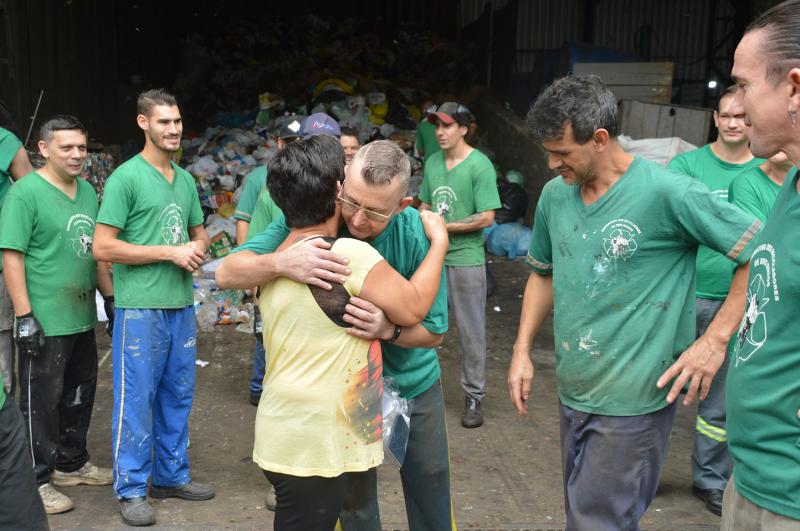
(460,184)
(715,165)
(756,189)
(46,228)
(613,249)
(763,397)
(150,226)
(254,212)
(426,142)
(14,165)
(374,209)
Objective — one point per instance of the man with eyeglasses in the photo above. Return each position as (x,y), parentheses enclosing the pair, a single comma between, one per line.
(715,165)
(460,184)
(374,208)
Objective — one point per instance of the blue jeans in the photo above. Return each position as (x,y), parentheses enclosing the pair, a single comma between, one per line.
(259,366)
(154,374)
(611,466)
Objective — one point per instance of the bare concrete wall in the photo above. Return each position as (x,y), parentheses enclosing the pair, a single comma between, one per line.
(515,149)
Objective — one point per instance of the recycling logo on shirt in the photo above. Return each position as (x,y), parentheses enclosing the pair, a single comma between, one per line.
(444,198)
(80,229)
(619,239)
(763,288)
(172,225)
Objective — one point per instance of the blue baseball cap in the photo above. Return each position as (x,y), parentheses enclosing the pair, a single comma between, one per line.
(319,123)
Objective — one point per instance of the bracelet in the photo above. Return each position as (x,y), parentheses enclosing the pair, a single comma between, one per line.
(397,331)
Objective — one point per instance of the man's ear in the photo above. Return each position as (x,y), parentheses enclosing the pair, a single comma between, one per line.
(715,114)
(42,145)
(141,121)
(404,204)
(600,139)
(794,82)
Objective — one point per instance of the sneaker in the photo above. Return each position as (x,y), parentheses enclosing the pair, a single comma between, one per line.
(272,501)
(54,502)
(472,417)
(255,398)
(192,491)
(88,474)
(136,512)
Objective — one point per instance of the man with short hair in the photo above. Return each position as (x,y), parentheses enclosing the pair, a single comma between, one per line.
(715,165)
(14,165)
(374,209)
(150,226)
(764,374)
(613,248)
(46,229)
(460,184)
(350,142)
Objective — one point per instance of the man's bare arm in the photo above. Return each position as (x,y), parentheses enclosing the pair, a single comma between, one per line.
(369,322)
(104,282)
(14,274)
(20,165)
(107,247)
(473,223)
(700,362)
(241,231)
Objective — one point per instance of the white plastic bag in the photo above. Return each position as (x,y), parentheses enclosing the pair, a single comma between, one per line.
(396,423)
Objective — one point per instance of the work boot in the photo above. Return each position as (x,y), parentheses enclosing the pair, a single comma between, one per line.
(472,417)
(54,502)
(192,491)
(88,474)
(137,512)
(272,501)
(711,497)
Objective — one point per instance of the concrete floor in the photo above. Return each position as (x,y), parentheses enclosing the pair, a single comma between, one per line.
(505,475)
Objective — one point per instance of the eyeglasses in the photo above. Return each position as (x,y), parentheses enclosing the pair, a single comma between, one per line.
(352,208)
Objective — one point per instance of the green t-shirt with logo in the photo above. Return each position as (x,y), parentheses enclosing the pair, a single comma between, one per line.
(623,279)
(54,233)
(149,210)
(753,191)
(254,184)
(470,187)
(403,245)
(763,386)
(9,147)
(426,139)
(714,274)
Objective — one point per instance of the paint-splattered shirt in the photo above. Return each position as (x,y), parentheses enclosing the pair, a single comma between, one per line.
(320,412)
(624,280)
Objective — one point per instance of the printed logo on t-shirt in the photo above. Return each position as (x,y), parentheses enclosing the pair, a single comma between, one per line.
(721,194)
(763,288)
(172,231)
(444,198)
(619,239)
(80,229)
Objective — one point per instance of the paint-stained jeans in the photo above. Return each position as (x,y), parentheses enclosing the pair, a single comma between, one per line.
(56,397)
(154,375)
(611,466)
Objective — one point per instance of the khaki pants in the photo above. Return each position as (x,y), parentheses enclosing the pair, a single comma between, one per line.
(740,514)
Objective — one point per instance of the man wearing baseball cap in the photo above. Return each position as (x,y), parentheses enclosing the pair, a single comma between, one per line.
(460,184)
(319,123)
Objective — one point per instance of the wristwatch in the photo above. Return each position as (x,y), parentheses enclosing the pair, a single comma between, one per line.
(397,331)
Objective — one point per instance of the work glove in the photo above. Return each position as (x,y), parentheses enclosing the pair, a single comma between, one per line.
(258,329)
(108,306)
(29,334)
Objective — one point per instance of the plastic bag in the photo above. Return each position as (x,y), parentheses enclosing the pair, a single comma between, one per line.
(509,239)
(396,412)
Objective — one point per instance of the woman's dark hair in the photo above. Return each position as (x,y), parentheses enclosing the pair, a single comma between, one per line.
(302,179)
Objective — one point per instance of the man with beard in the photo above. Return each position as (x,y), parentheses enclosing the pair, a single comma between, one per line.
(150,226)
(715,165)
(613,249)
(46,230)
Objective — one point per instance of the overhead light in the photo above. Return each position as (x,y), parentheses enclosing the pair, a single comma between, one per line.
(712,84)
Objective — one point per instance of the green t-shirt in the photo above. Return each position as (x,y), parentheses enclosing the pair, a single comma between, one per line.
(426,139)
(714,274)
(623,279)
(149,210)
(9,147)
(469,188)
(753,191)
(763,386)
(403,245)
(266,212)
(54,233)
(254,183)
